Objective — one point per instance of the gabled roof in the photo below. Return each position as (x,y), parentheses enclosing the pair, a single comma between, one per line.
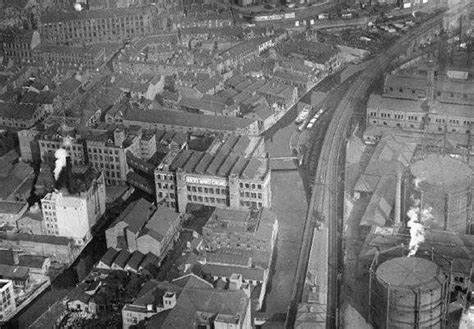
(136,215)
(109,256)
(381,203)
(135,260)
(196,302)
(122,258)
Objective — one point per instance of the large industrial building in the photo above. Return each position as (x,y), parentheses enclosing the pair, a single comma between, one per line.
(408,292)
(232,173)
(76,204)
(93,26)
(419,103)
(445,187)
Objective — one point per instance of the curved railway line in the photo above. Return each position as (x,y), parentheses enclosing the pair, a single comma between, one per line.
(325,205)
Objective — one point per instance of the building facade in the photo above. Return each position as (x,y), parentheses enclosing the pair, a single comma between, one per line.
(20,116)
(73,215)
(87,27)
(107,153)
(53,139)
(7,301)
(20,48)
(230,175)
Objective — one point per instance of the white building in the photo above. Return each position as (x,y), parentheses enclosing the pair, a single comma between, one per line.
(7,300)
(73,215)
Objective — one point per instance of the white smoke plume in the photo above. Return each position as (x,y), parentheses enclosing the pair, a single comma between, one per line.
(417,232)
(61,155)
(417,181)
(78,6)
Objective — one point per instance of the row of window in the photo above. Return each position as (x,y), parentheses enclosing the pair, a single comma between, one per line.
(415,118)
(165,186)
(91,150)
(250,186)
(250,195)
(94,21)
(208,190)
(251,204)
(162,195)
(208,200)
(164,177)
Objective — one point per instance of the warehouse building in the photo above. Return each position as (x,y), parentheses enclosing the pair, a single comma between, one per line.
(232,173)
(93,26)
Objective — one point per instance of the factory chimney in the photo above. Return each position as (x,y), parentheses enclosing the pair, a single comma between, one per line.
(66,178)
(431,83)
(398,199)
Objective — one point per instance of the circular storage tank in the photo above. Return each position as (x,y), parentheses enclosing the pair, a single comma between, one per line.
(408,292)
(444,185)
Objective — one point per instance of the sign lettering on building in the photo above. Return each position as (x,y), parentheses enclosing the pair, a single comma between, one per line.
(205,181)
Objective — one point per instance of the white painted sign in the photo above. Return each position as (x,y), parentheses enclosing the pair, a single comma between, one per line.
(205,181)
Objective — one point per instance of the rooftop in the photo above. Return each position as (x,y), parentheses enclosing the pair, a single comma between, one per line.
(442,172)
(184,119)
(12,207)
(53,17)
(161,221)
(17,111)
(394,104)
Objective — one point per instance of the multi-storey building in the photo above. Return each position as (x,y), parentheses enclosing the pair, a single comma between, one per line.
(93,26)
(7,299)
(147,144)
(191,122)
(20,116)
(28,143)
(21,47)
(190,300)
(414,103)
(250,230)
(55,138)
(64,57)
(107,152)
(232,174)
(145,228)
(73,211)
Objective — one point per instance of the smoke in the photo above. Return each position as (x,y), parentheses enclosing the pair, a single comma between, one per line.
(417,231)
(416,222)
(417,181)
(418,216)
(78,7)
(61,155)
(67,141)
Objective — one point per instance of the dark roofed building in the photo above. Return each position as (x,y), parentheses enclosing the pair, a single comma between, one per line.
(134,261)
(175,120)
(121,260)
(197,303)
(108,258)
(20,116)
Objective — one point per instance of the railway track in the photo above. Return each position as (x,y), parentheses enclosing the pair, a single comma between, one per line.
(325,205)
